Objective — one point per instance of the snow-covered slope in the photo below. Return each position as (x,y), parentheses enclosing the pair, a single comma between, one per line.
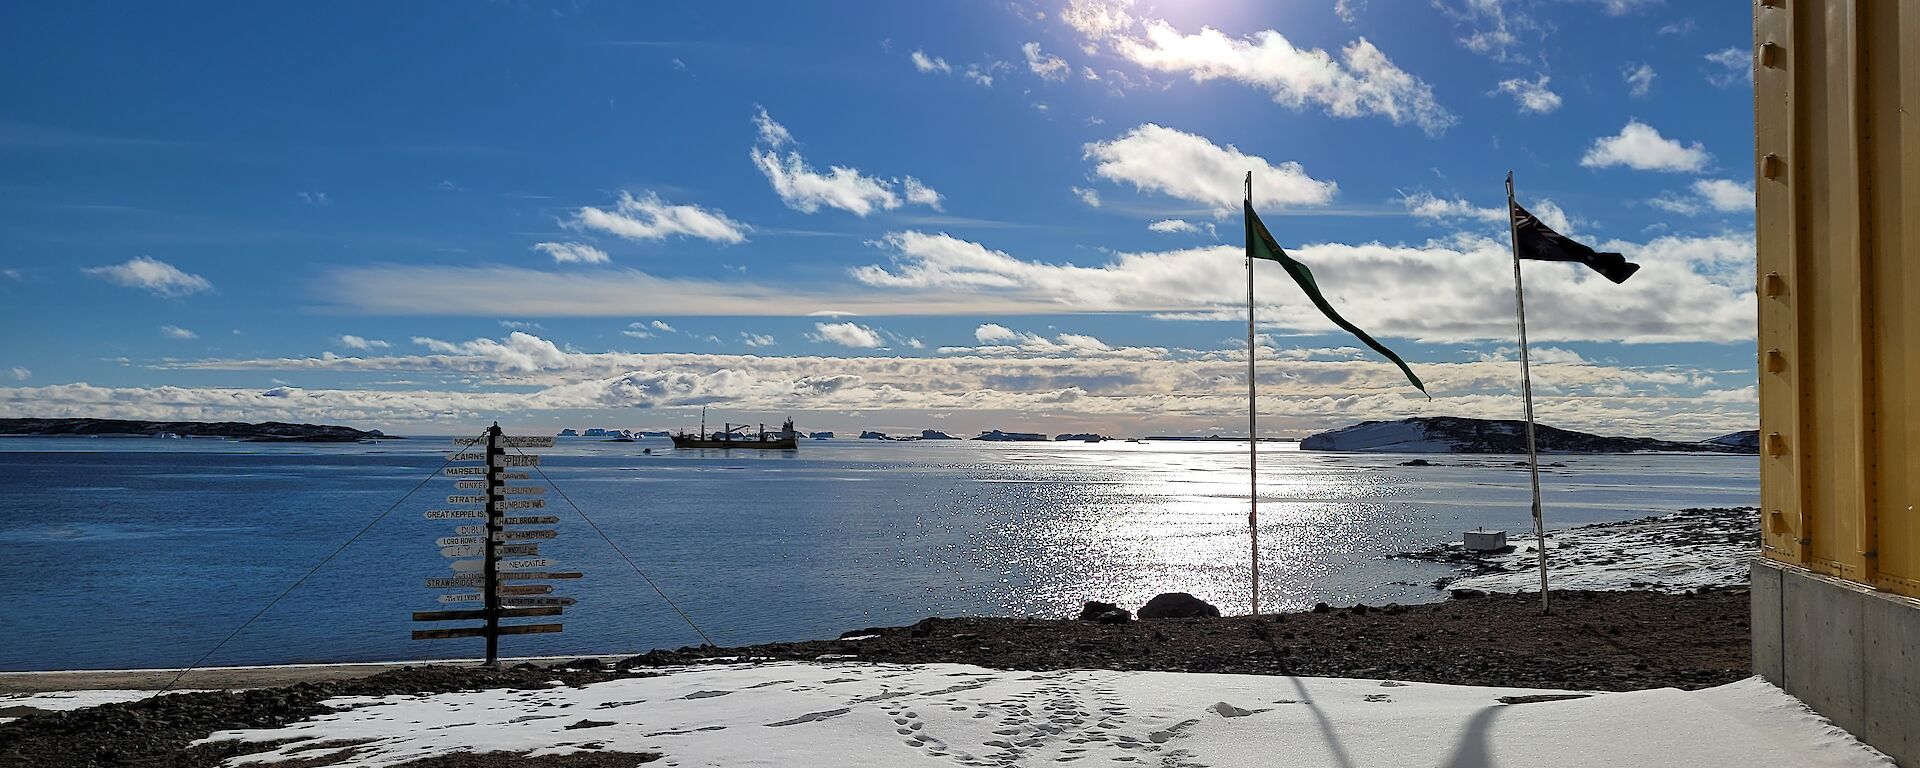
(1449,434)
(801,715)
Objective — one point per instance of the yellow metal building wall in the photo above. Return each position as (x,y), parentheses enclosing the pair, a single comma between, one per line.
(1837,116)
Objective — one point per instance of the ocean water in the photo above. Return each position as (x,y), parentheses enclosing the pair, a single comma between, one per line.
(131,553)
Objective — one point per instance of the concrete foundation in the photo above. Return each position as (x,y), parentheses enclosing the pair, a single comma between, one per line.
(1851,653)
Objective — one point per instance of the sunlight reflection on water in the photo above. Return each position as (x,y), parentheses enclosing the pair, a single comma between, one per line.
(762,547)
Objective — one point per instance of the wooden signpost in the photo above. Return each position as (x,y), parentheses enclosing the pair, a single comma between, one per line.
(502,555)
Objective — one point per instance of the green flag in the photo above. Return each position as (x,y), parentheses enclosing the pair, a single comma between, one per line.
(1260,245)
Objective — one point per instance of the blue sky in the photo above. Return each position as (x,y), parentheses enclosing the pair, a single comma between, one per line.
(885,215)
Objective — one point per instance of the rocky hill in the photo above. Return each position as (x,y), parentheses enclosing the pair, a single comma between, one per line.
(1448,434)
(271,431)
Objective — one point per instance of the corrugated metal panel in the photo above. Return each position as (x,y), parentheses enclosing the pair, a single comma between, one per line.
(1837,114)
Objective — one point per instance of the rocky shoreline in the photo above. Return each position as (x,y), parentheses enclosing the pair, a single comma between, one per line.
(1609,641)
(1678,552)
(264,432)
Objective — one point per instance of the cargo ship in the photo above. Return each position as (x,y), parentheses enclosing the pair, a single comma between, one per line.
(731,436)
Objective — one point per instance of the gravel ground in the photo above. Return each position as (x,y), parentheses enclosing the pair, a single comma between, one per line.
(1591,641)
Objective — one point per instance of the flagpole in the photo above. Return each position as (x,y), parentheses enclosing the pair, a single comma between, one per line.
(1526,390)
(1253,441)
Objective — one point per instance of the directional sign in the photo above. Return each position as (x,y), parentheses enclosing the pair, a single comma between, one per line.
(470,530)
(532,601)
(527,441)
(521,565)
(523,490)
(538,575)
(514,503)
(467,456)
(457,581)
(459,541)
(531,520)
(456,514)
(474,550)
(506,535)
(465,471)
(524,589)
(470,485)
(514,476)
(466,499)
(516,460)
(516,550)
(469,598)
(466,566)
(470,440)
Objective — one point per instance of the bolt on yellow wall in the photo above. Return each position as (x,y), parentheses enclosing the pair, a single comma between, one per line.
(1837,161)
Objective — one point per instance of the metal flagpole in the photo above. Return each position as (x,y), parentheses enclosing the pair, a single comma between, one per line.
(1526,390)
(1253,439)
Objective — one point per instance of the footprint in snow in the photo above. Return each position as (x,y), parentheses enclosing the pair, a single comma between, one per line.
(705,694)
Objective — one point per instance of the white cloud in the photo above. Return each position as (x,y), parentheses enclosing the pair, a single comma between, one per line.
(177,332)
(925,63)
(756,339)
(518,352)
(351,341)
(569,253)
(314,198)
(847,335)
(1453,289)
(660,325)
(1348,10)
(1098,19)
(1182,165)
(1362,82)
(1640,147)
(1729,66)
(1426,205)
(920,194)
(804,189)
(1173,225)
(1089,196)
(645,218)
(1531,95)
(1722,195)
(998,340)
(1725,195)
(1690,289)
(1086,381)
(982,74)
(19,373)
(152,274)
(1639,80)
(1681,27)
(1046,65)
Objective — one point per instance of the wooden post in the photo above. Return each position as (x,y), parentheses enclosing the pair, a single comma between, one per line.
(496,496)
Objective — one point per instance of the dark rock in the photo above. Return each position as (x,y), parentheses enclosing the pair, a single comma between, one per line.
(1115,616)
(1177,605)
(1465,594)
(1321,607)
(923,627)
(1417,463)
(1094,608)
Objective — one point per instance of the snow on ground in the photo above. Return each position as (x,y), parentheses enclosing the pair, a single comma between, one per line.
(849,714)
(1670,553)
(62,701)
